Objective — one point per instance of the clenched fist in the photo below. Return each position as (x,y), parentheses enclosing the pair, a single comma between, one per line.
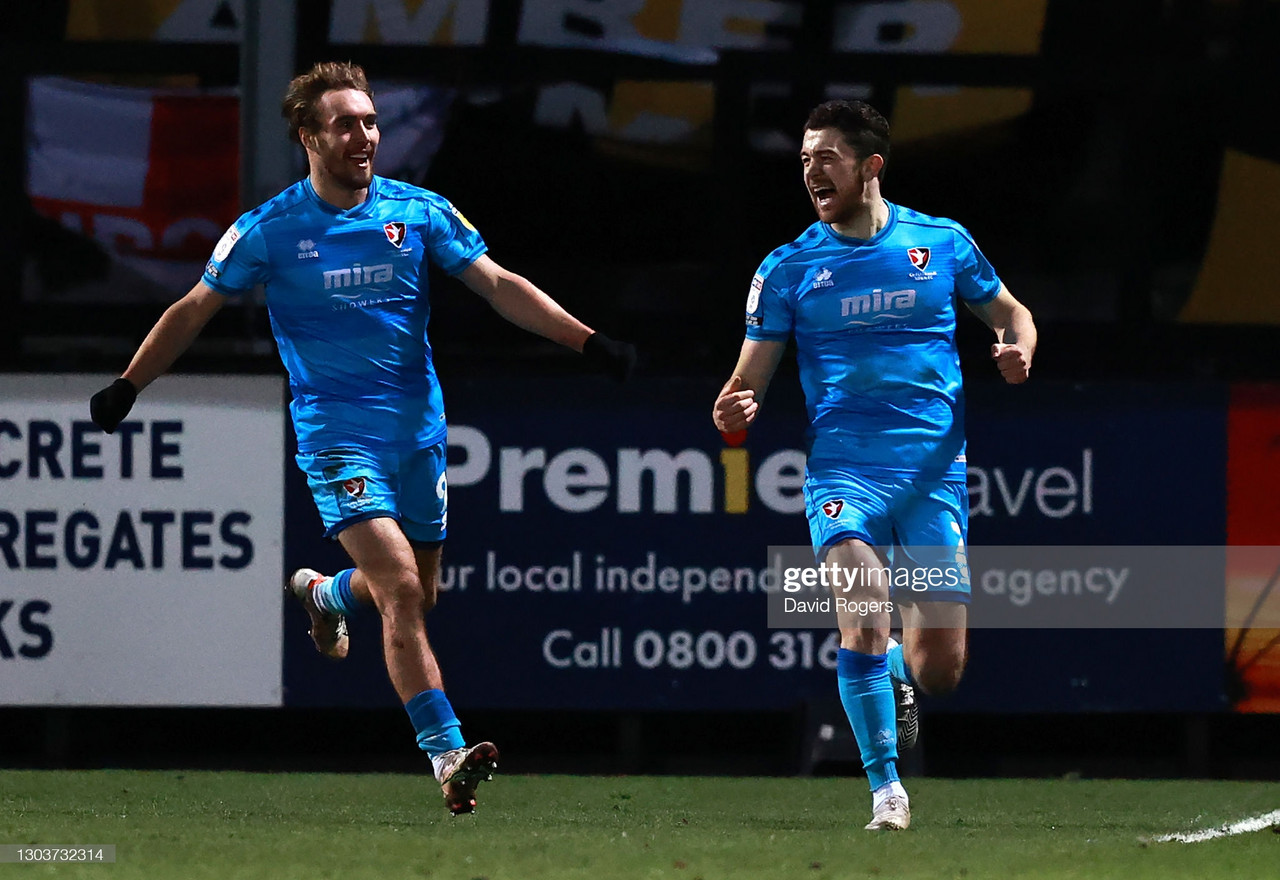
(1013,361)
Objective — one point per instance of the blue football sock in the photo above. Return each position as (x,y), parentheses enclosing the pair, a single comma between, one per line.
(867,694)
(437,727)
(898,669)
(334,595)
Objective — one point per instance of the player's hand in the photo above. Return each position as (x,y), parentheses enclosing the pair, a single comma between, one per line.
(618,359)
(735,408)
(109,406)
(1014,362)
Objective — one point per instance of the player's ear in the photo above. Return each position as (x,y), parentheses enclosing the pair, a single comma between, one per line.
(871,167)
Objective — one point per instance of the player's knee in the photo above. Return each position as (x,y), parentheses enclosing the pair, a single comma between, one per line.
(864,639)
(939,676)
(401,595)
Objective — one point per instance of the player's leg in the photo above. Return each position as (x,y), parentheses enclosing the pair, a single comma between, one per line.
(423,501)
(935,644)
(428,556)
(866,690)
(348,486)
(389,570)
(389,573)
(360,496)
(932,528)
(904,696)
(845,518)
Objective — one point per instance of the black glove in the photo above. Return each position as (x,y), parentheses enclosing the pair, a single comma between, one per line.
(617,359)
(109,406)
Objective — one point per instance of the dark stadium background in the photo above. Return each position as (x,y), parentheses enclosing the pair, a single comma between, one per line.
(1097,204)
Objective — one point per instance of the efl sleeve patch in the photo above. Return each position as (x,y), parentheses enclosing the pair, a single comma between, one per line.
(223,248)
(753,298)
(465,222)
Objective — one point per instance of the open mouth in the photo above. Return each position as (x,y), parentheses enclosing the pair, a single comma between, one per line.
(361,160)
(824,195)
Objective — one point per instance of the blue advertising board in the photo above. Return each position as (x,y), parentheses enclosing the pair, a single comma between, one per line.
(606,550)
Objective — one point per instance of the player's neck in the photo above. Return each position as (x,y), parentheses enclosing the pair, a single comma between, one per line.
(341,197)
(870,219)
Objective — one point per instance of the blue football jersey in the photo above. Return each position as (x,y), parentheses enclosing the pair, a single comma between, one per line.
(349,306)
(874,323)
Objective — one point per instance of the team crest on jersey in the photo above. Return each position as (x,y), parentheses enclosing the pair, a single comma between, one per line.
(919,257)
(395,232)
(833,508)
(354,486)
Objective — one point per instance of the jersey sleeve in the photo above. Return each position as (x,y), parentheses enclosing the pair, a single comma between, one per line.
(770,310)
(976,280)
(239,260)
(452,242)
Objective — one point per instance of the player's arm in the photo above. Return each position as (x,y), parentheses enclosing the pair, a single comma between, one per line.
(173,334)
(524,304)
(738,403)
(1015,335)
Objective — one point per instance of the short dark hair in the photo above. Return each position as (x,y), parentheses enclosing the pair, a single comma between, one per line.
(861,124)
(301,101)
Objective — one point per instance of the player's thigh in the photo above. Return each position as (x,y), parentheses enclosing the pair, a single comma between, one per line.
(385,557)
(860,583)
(422,495)
(350,485)
(857,571)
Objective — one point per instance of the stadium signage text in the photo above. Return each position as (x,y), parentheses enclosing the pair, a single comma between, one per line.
(31,620)
(682,29)
(41,449)
(119,552)
(633,480)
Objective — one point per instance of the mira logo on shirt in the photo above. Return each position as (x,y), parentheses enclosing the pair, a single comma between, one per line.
(358,276)
(868,307)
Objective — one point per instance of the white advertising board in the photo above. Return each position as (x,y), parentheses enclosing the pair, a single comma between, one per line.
(141,568)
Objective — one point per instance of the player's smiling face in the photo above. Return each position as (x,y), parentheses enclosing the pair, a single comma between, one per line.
(343,147)
(833,176)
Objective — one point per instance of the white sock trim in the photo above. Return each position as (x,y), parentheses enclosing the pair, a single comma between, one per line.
(881,794)
(318,597)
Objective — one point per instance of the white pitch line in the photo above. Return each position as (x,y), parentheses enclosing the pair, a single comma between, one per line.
(1244,826)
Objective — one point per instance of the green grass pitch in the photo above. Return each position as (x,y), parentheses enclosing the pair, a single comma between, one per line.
(250,825)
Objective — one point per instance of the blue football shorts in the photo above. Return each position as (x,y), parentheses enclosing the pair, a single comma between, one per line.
(350,485)
(920,525)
